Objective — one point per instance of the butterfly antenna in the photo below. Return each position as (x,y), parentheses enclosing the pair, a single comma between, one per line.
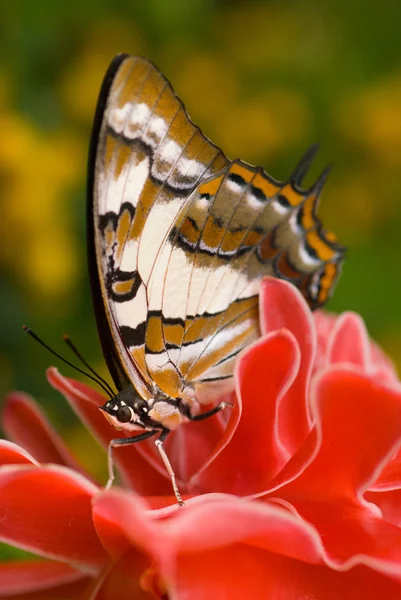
(67,362)
(75,350)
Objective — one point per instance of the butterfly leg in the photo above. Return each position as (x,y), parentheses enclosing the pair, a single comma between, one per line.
(159,445)
(123,442)
(209,413)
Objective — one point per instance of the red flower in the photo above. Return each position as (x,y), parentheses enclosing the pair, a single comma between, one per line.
(298,495)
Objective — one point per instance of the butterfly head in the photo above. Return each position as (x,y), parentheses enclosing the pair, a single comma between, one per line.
(127,411)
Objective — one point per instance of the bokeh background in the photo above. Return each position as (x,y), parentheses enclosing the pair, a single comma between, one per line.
(264,80)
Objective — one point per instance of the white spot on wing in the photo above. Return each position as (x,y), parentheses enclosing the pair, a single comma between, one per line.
(279,208)
(253,288)
(155,131)
(118,116)
(159,361)
(306,257)
(233,185)
(139,117)
(136,121)
(127,187)
(129,257)
(170,282)
(169,152)
(253,202)
(131,312)
(292,221)
(157,226)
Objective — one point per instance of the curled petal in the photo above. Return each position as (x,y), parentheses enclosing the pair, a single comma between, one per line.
(12,454)
(390,477)
(349,342)
(354,535)
(389,503)
(386,491)
(349,407)
(25,423)
(383,366)
(123,520)
(255,453)
(47,510)
(241,572)
(345,339)
(283,306)
(205,523)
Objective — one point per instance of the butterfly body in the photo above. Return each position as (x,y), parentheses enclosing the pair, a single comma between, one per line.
(179,238)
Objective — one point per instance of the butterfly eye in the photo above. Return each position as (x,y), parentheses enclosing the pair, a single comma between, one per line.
(124,414)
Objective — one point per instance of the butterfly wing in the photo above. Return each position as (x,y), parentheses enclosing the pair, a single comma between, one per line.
(179,238)
(235,228)
(146,158)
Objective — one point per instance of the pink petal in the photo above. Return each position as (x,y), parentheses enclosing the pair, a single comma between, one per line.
(21,577)
(354,535)
(283,306)
(135,466)
(389,503)
(116,514)
(24,423)
(217,536)
(205,523)
(222,521)
(324,323)
(240,571)
(358,423)
(383,364)
(47,510)
(247,464)
(390,477)
(349,342)
(358,426)
(11,454)
(386,491)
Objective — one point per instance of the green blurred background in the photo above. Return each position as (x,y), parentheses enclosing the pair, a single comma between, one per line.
(264,80)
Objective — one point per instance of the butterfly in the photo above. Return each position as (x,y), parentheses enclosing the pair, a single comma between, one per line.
(179,237)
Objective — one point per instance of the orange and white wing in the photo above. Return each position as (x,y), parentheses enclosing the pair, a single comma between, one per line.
(180,237)
(146,158)
(236,227)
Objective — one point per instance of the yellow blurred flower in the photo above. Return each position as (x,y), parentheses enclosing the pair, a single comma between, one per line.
(371,118)
(275,36)
(51,265)
(207,84)
(80,84)
(259,128)
(351,204)
(38,171)
(20,136)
